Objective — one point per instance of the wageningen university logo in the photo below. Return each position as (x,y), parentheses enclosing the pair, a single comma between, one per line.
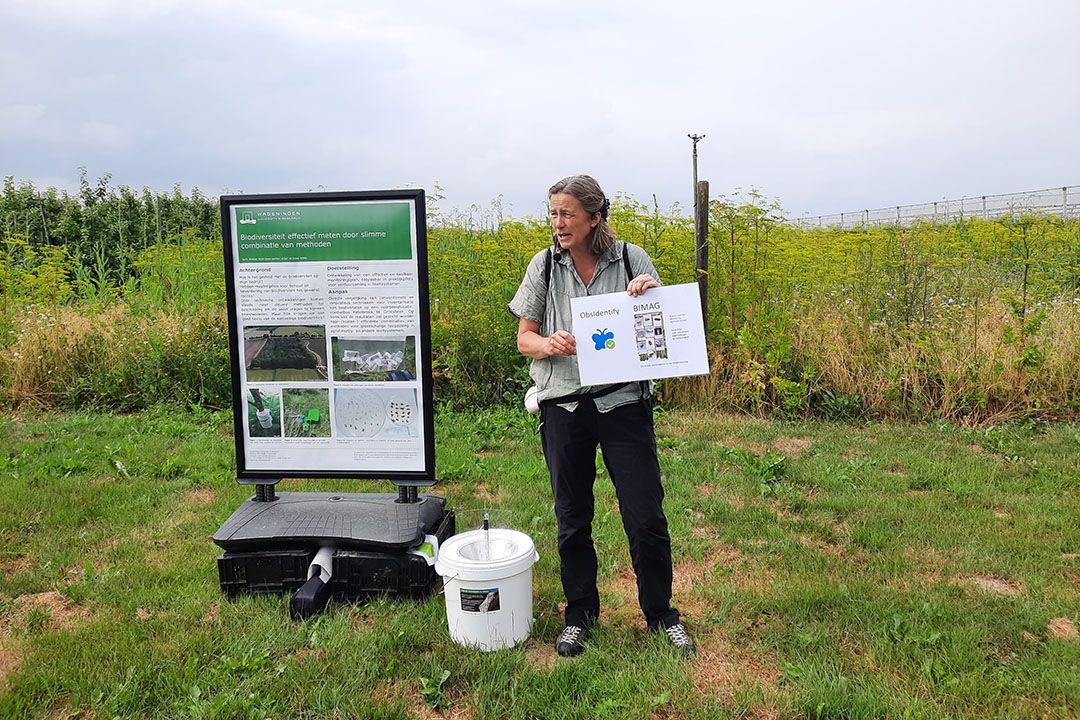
(604,339)
(251,217)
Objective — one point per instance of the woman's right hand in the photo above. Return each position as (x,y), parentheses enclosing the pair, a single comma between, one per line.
(532,344)
(560,343)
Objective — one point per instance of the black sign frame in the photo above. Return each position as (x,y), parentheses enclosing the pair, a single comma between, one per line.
(425,403)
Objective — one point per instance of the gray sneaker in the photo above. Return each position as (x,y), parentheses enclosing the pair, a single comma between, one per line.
(680,639)
(571,640)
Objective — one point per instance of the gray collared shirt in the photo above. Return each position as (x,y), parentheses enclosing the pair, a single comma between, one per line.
(557,376)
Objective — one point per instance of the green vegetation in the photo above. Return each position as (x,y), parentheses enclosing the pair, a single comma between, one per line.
(827,570)
(976,321)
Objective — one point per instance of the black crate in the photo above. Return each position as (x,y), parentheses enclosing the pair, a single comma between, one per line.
(360,575)
(257,573)
(357,574)
(363,575)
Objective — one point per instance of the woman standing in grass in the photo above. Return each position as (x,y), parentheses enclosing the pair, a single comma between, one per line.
(585,259)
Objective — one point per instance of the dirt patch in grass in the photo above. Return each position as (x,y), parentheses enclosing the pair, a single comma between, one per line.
(719,564)
(720,667)
(414,704)
(760,712)
(1001,514)
(928,568)
(484,492)
(702,532)
(687,575)
(55,611)
(722,492)
(161,553)
(623,610)
(15,565)
(781,512)
(832,549)
(186,516)
(212,614)
(852,453)
(791,446)
(1062,628)
(896,469)
(10,662)
(540,655)
(74,573)
(307,654)
(200,496)
(995,585)
(708,489)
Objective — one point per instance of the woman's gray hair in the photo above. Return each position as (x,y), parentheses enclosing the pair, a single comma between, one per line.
(592,199)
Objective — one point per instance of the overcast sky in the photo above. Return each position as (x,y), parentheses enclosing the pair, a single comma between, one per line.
(827,106)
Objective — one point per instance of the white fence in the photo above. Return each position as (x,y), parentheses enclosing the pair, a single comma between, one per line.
(1063,201)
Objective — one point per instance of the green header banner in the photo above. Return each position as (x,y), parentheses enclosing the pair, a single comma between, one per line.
(324,233)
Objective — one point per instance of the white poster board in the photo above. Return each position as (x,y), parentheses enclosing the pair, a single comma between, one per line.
(659,334)
(330,334)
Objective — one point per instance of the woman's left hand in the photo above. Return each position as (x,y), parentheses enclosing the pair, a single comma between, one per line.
(640,284)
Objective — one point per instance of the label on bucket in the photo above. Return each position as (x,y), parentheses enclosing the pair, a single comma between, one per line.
(479,601)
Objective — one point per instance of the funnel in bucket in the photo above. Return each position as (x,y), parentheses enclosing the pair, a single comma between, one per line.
(487,581)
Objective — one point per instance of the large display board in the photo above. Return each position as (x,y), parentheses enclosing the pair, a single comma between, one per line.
(330,335)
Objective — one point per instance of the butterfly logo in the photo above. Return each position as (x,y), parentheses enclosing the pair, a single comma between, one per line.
(604,339)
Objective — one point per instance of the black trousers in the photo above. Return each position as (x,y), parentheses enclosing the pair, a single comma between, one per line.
(628,444)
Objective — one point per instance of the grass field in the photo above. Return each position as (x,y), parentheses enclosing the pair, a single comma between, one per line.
(826,570)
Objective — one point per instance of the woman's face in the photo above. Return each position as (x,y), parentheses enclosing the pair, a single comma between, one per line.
(569,221)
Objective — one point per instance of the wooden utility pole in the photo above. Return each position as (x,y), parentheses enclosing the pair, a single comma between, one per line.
(701,234)
(701,247)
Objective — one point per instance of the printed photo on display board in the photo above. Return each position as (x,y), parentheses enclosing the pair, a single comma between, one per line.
(374,360)
(276,353)
(263,413)
(383,412)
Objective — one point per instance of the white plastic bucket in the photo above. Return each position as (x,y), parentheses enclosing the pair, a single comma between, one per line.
(487,581)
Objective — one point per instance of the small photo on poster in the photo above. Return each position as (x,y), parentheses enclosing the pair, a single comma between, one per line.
(650,336)
(263,413)
(373,360)
(276,353)
(383,412)
(306,412)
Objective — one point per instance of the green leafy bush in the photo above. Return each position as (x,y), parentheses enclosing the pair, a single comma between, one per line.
(117,298)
